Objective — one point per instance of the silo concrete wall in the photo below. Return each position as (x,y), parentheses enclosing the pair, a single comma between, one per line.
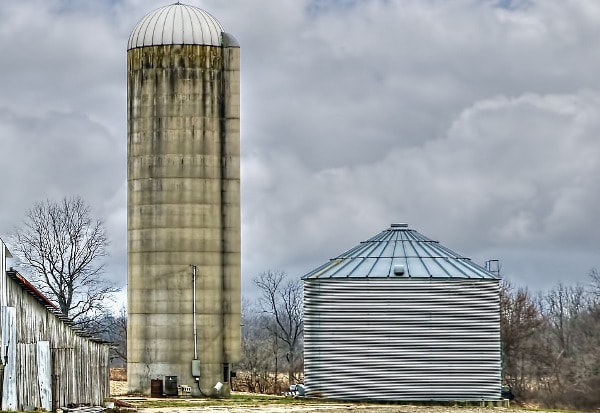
(183,210)
(231,205)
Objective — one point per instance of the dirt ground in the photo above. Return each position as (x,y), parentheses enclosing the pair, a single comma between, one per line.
(118,387)
(119,390)
(326,408)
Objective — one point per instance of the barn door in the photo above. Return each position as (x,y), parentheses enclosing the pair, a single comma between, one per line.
(8,353)
(44,374)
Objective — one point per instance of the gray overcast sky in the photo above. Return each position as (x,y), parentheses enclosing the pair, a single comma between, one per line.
(475,121)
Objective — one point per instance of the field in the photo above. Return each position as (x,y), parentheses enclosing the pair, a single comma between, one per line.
(254,403)
(245,402)
(239,403)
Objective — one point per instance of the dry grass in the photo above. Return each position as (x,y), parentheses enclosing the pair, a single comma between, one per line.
(248,402)
(118,374)
(243,403)
(118,381)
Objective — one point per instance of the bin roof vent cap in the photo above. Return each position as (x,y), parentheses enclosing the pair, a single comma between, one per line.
(400,225)
(399,269)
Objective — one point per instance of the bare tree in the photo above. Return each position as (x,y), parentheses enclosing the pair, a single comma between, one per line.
(62,248)
(256,364)
(282,299)
(563,305)
(118,336)
(551,344)
(595,276)
(520,325)
(573,327)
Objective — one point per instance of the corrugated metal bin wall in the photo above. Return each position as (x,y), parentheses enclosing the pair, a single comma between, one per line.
(402,339)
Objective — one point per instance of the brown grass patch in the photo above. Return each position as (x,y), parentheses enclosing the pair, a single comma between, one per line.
(118,374)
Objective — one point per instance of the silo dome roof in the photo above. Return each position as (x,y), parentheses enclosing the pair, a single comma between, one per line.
(176,24)
(400,252)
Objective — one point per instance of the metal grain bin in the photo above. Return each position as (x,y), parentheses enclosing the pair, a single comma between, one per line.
(400,317)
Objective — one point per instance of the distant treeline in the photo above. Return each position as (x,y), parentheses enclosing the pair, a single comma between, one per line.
(551,344)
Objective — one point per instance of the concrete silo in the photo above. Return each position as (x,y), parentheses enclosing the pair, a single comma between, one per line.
(183,221)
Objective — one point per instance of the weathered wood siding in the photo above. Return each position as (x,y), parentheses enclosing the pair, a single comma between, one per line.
(44,365)
(9,350)
(79,365)
(4,254)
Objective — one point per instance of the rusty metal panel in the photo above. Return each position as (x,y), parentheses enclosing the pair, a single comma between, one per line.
(402,339)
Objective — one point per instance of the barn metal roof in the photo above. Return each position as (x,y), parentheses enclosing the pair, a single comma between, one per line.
(400,252)
(176,24)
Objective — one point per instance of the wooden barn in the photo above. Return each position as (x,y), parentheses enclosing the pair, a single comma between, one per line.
(45,363)
(400,317)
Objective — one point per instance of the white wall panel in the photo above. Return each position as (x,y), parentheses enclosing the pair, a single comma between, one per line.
(9,357)
(44,373)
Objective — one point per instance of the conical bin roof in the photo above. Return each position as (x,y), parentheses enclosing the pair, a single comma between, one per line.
(400,252)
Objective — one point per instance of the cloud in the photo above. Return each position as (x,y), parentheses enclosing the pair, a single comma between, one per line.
(457,116)
(521,169)
(473,121)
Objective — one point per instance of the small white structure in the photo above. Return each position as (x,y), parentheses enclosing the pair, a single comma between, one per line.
(400,317)
(46,363)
